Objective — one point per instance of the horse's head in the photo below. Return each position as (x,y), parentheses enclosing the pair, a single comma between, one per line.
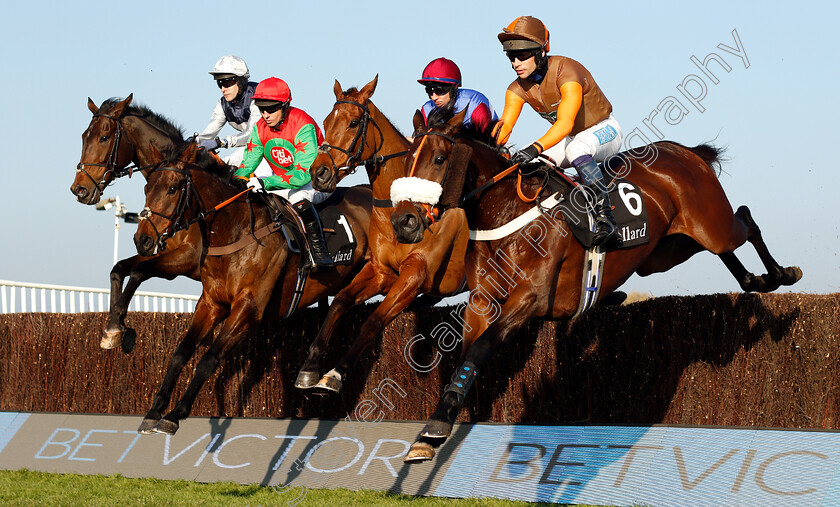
(102,152)
(348,140)
(169,191)
(436,166)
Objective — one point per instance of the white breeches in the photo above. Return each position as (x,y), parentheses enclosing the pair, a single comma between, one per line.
(600,141)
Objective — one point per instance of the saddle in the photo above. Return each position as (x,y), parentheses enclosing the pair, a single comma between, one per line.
(628,205)
(338,235)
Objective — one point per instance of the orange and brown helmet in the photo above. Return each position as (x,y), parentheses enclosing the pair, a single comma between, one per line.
(525,32)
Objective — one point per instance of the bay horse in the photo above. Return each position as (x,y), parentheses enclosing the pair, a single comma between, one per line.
(121,134)
(361,135)
(513,279)
(254,277)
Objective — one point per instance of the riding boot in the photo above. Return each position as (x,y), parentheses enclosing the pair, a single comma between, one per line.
(314,234)
(591,175)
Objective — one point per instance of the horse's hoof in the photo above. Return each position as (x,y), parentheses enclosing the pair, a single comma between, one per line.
(436,429)
(329,384)
(111,339)
(307,379)
(791,275)
(147,426)
(129,341)
(166,427)
(419,452)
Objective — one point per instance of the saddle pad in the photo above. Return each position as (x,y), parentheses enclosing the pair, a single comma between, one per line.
(338,234)
(628,208)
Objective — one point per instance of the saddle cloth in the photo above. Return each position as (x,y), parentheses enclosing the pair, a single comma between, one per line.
(628,208)
(338,233)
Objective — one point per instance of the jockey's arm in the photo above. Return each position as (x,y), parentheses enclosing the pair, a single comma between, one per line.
(252,157)
(571,94)
(511,112)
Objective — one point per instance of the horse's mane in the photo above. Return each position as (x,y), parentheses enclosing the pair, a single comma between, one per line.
(204,161)
(439,118)
(158,120)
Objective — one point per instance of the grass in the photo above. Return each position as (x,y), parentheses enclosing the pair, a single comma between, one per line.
(24,487)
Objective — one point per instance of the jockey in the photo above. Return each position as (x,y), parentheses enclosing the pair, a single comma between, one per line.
(287,139)
(234,108)
(562,91)
(442,79)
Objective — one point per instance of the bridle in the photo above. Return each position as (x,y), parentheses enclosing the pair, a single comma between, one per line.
(176,219)
(110,163)
(432,211)
(355,159)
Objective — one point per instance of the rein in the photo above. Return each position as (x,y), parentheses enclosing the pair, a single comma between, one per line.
(355,159)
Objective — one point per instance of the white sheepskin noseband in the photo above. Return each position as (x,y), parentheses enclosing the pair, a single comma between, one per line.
(415,190)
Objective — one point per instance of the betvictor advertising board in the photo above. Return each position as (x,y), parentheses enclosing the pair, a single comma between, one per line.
(658,465)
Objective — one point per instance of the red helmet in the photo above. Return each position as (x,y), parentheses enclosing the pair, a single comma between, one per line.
(272,89)
(443,71)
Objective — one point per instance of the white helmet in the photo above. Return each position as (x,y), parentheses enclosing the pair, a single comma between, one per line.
(230,65)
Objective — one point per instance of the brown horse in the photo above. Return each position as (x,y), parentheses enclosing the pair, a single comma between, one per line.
(514,279)
(254,279)
(362,135)
(118,135)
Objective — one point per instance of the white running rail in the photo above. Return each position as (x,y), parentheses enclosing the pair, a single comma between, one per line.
(16,297)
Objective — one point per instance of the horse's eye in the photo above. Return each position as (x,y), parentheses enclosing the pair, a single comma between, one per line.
(172,189)
(353,124)
(103,139)
(440,159)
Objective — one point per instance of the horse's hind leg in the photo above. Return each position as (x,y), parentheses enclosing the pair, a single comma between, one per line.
(776,275)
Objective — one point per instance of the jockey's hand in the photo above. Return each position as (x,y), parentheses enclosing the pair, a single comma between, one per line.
(256,185)
(210,144)
(524,156)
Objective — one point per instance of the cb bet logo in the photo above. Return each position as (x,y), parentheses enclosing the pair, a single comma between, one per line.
(281,156)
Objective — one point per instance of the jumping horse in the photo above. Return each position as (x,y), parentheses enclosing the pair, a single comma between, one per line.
(246,276)
(512,281)
(121,134)
(357,133)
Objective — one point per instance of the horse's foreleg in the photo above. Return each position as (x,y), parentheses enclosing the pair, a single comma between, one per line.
(776,274)
(401,293)
(113,333)
(242,316)
(365,285)
(513,315)
(168,265)
(204,320)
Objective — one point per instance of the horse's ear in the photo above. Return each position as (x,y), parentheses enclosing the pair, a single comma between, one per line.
(156,154)
(458,118)
(191,152)
(337,90)
(368,89)
(92,106)
(418,121)
(119,109)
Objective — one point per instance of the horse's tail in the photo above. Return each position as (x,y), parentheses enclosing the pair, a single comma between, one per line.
(711,155)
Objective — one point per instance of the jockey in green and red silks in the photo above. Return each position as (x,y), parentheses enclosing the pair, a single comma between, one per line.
(288,139)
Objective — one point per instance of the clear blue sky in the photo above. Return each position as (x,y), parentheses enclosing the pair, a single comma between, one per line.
(777,118)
